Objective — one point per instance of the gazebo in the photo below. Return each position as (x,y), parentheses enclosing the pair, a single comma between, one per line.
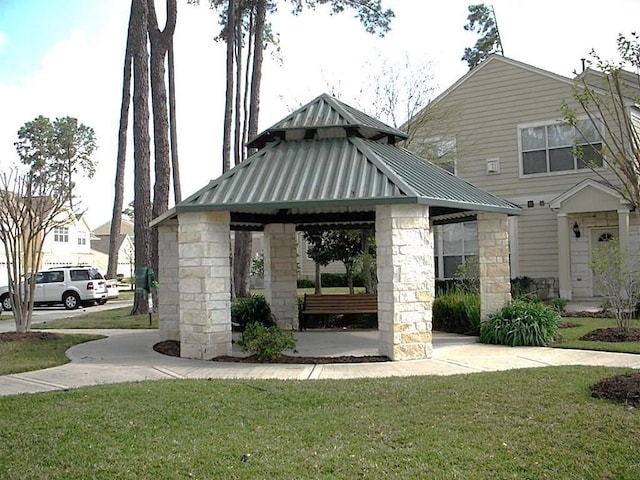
(326,165)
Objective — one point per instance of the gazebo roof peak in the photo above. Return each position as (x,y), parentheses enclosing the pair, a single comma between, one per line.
(327,117)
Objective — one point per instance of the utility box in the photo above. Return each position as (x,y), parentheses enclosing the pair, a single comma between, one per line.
(142,278)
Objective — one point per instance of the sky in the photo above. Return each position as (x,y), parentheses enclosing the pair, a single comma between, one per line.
(65,58)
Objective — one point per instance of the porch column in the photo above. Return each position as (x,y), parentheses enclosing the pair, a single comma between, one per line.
(564,257)
(280,273)
(204,284)
(406,281)
(623,229)
(168,296)
(493,252)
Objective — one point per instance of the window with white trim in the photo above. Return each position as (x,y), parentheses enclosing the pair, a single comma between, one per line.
(82,238)
(61,234)
(453,244)
(559,147)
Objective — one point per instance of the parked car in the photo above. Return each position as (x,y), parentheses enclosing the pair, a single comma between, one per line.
(112,289)
(69,286)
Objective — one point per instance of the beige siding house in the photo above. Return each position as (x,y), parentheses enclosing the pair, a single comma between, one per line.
(505,120)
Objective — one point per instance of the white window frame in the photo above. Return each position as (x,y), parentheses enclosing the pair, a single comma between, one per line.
(438,237)
(61,234)
(547,123)
(82,238)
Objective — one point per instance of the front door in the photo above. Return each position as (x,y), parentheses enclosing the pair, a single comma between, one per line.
(599,235)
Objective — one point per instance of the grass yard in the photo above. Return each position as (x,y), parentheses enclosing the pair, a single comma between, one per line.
(571,335)
(116,318)
(526,424)
(37,354)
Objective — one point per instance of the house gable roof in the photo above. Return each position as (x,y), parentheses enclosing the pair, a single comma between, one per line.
(589,196)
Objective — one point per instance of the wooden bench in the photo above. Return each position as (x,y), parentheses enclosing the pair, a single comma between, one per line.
(336,304)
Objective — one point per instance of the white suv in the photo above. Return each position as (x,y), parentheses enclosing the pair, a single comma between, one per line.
(70,286)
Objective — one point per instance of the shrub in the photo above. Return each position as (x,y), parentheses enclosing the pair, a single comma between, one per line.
(249,310)
(306,283)
(340,280)
(457,311)
(559,304)
(266,343)
(521,323)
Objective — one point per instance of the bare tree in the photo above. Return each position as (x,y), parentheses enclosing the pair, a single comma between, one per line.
(35,198)
(610,136)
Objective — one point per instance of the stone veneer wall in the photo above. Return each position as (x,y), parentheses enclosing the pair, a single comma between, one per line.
(168,296)
(493,254)
(280,273)
(406,281)
(204,284)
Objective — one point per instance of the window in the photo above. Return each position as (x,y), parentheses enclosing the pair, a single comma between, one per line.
(441,152)
(61,234)
(82,238)
(559,147)
(454,243)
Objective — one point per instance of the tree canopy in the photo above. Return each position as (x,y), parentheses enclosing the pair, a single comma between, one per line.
(59,150)
(482,20)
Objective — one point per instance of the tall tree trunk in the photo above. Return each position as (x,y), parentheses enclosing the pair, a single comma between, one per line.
(243,241)
(159,45)
(116,217)
(228,100)
(318,289)
(173,133)
(141,148)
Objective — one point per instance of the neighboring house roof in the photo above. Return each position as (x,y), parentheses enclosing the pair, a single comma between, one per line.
(332,180)
(126,227)
(101,244)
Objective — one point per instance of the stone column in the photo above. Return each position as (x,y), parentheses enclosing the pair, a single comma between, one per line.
(493,254)
(281,273)
(564,257)
(406,281)
(168,296)
(204,271)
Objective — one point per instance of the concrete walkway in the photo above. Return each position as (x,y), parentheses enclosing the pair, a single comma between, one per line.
(128,356)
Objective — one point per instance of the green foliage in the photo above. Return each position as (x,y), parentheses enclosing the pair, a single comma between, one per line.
(267,343)
(521,286)
(521,323)
(559,304)
(340,280)
(57,151)
(616,279)
(253,309)
(306,283)
(257,266)
(457,311)
(469,272)
(482,20)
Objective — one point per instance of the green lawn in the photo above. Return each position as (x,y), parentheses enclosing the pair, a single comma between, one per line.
(24,356)
(525,424)
(115,318)
(571,335)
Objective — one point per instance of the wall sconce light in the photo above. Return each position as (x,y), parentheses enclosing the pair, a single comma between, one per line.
(576,229)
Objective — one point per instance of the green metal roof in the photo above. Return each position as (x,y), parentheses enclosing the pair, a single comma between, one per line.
(326,113)
(337,177)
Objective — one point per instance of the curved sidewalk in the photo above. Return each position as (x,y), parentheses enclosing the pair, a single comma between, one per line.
(128,356)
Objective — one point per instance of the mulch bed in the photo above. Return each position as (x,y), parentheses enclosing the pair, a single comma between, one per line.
(620,389)
(24,337)
(613,334)
(172,348)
